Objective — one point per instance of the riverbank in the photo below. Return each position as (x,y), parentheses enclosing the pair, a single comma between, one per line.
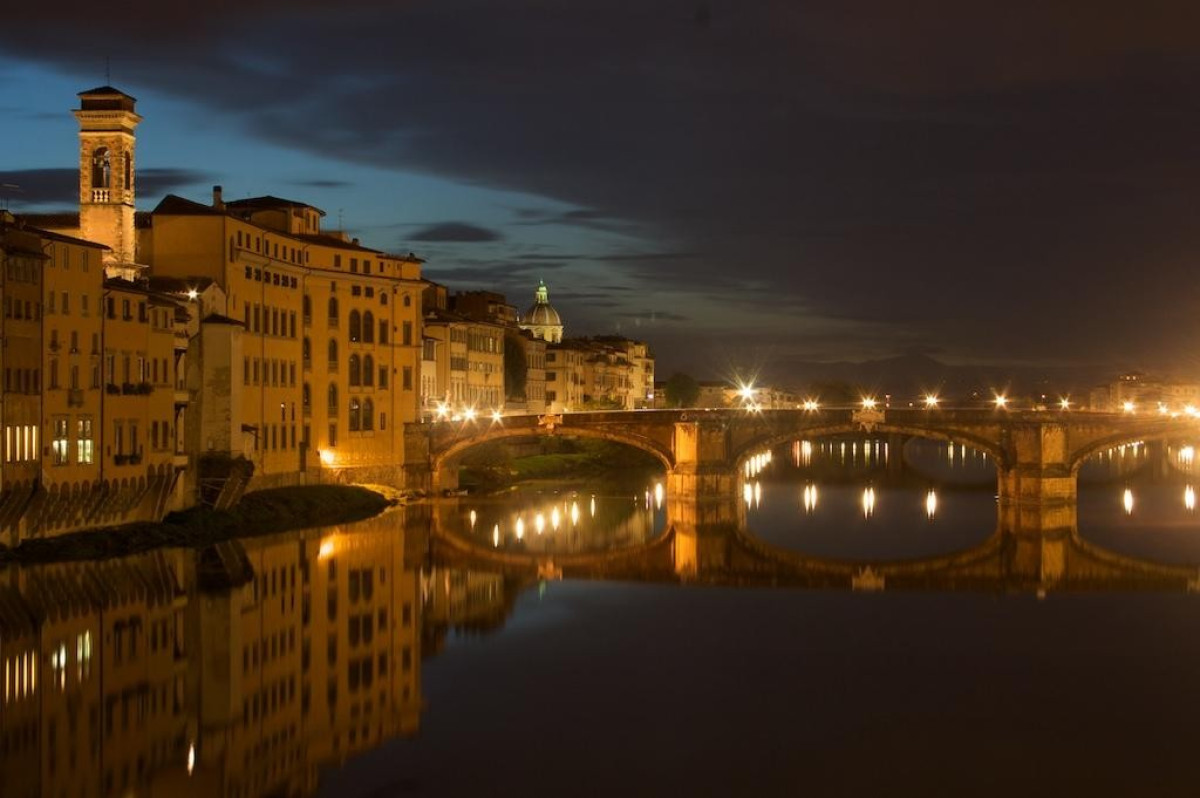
(263,512)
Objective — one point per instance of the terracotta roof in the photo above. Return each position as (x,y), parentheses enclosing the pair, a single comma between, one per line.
(61,219)
(174,205)
(268,202)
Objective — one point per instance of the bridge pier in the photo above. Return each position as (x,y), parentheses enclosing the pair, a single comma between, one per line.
(1037,508)
(702,468)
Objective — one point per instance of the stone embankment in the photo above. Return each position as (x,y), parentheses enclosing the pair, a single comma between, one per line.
(258,513)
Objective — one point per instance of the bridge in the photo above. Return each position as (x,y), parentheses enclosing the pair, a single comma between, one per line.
(1037,453)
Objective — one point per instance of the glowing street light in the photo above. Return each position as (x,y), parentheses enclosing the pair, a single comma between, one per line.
(747,392)
(1128,406)
(1064,403)
(496,416)
(811,405)
(469,413)
(931,401)
(1001,401)
(868,403)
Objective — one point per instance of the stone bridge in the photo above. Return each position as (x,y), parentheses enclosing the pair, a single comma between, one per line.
(1037,453)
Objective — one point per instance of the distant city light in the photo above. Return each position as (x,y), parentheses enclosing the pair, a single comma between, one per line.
(192,294)
(747,392)
(868,403)
(931,400)
(1001,401)
(469,413)
(496,415)
(1128,406)
(931,504)
(1064,403)
(1189,498)
(1127,500)
(811,405)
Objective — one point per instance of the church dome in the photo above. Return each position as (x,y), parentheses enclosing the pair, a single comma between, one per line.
(542,319)
(542,314)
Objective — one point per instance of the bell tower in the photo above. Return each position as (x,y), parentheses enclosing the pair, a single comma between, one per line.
(107,121)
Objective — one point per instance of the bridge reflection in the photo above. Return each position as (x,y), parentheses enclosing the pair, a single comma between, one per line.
(707,542)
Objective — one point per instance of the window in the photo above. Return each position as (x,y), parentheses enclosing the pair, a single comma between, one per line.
(368,329)
(407,375)
(101,168)
(383,331)
(333,355)
(368,371)
(383,377)
(306,353)
(333,433)
(355,330)
(61,445)
(307,309)
(406,333)
(355,370)
(333,311)
(333,399)
(355,414)
(368,418)
(306,398)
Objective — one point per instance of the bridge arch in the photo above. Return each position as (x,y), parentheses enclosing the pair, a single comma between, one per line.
(441,460)
(948,435)
(1158,433)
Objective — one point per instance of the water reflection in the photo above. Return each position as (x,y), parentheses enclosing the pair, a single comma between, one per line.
(545,520)
(244,669)
(928,496)
(235,670)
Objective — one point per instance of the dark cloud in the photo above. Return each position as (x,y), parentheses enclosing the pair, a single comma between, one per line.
(461,232)
(35,187)
(322,183)
(652,316)
(998,178)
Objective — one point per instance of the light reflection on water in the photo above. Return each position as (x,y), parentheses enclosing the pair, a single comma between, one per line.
(563,521)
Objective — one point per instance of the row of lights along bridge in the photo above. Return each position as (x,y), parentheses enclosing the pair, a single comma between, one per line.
(932,401)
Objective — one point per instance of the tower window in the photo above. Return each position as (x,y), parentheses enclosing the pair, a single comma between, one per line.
(101,168)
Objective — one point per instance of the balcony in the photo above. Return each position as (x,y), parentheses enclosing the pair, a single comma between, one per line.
(101,195)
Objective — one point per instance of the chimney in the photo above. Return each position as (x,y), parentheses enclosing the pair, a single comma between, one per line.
(218,201)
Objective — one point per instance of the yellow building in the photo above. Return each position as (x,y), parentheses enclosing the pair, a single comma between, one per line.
(565,376)
(108,351)
(328,355)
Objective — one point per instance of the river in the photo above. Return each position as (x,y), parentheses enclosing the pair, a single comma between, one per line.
(388,657)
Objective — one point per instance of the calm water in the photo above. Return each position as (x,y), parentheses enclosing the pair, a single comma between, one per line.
(364,661)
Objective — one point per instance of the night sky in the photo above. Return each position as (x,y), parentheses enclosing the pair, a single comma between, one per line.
(739,183)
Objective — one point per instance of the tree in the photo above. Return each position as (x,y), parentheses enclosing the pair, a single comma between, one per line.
(682,390)
(516,369)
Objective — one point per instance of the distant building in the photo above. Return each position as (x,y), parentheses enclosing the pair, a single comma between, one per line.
(1141,392)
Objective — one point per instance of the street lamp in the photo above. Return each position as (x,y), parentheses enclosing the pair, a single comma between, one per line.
(931,401)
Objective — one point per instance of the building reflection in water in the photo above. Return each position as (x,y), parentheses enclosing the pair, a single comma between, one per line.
(252,665)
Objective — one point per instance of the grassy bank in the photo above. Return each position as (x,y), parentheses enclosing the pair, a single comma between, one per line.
(260,513)
(600,462)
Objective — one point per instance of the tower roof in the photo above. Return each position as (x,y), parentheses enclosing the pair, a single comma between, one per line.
(106,98)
